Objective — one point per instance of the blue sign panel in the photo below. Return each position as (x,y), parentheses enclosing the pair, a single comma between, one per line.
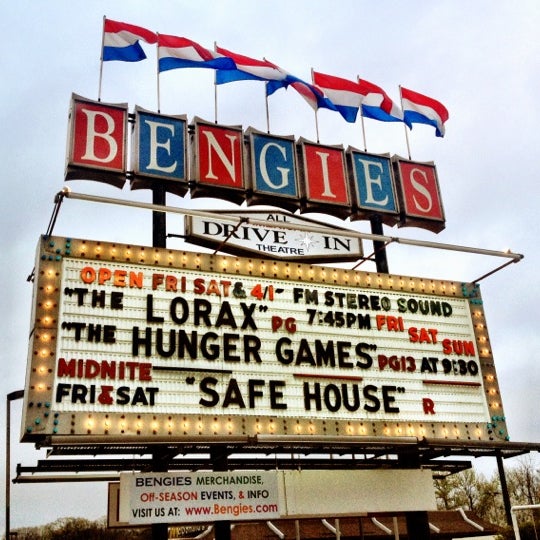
(373,182)
(161,143)
(273,163)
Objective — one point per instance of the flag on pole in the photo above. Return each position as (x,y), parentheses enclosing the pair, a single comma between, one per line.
(344,94)
(313,95)
(179,52)
(377,105)
(247,69)
(420,109)
(121,41)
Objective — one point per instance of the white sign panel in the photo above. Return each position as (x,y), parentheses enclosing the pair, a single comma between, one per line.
(260,233)
(352,493)
(160,344)
(198,497)
(260,495)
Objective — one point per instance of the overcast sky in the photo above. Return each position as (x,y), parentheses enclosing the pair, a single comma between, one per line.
(480,59)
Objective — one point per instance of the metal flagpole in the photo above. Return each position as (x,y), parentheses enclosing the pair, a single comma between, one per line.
(267,110)
(362,119)
(215,91)
(316,110)
(405,125)
(101,58)
(157,75)
(363,128)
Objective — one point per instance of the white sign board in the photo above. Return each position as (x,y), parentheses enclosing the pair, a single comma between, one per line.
(269,234)
(202,497)
(353,493)
(198,497)
(155,344)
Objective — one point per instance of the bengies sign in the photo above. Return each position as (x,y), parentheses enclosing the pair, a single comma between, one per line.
(151,344)
(196,497)
(259,168)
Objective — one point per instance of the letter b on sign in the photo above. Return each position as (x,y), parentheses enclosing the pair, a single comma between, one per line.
(97,139)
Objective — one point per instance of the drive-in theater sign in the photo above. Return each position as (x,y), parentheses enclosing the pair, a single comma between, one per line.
(153,344)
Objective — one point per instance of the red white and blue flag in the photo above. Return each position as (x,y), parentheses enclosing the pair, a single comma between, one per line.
(247,69)
(349,97)
(180,52)
(313,95)
(121,41)
(420,109)
(377,105)
(344,94)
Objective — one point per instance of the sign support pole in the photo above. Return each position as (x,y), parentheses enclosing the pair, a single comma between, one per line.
(159,219)
(17,394)
(379,248)
(504,489)
(417,522)
(218,457)
(160,531)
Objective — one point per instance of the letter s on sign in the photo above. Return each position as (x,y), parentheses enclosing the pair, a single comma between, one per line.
(419,180)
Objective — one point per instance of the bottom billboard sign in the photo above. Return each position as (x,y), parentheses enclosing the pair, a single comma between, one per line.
(201,497)
(198,497)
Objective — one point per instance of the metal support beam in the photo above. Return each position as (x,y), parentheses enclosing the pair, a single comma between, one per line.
(417,522)
(161,209)
(12,396)
(504,489)
(379,248)
(159,218)
(218,457)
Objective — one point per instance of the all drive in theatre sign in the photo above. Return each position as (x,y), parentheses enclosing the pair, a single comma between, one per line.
(153,344)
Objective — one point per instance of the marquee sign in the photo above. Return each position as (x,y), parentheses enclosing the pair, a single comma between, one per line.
(259,168)
(153,344)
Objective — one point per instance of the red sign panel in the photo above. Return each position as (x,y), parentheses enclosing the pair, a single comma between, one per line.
(99,136)
(324,171)
(219,155)
(420,194)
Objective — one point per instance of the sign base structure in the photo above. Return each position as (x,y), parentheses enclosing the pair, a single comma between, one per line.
(143,345)
(198,497)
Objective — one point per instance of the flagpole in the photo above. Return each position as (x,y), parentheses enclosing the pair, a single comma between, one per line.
(267,109)
(363,128)
(362,119)
(157,78)
(215,90)
(405,126)
(316,110)
(101,58)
